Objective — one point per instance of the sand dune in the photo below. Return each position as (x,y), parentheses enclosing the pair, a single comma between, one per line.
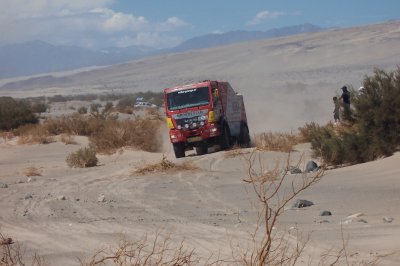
(286,82)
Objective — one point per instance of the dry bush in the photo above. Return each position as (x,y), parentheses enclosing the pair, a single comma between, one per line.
(6,135)
(31,134)
(75,124)
(268,247)
(141,134)
(67,138)
(276,141)
(32,171)
(154,114)
(82,158)
(165,166)
(11,254)
(144,252)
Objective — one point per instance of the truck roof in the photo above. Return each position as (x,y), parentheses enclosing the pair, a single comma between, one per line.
(188,86)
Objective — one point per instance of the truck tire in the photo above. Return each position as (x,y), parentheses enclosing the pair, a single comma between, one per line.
(202,149)
(244,137)
(179,150)
(225,138)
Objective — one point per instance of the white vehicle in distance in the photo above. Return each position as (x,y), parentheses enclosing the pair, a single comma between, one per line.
(144,105)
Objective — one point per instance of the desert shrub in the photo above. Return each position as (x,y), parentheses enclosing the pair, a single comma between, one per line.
(82,110)
(75,124)
(276,141)
(140,133)
(375,130)
(14,113)
(82,158)
(94,108)
(67,139)
(31,134)
(127,101)
(108,107)
(32,171)
(57,98)
(39,107)
(165,166)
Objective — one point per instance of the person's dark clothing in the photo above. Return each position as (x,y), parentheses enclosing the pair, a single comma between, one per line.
(346,97)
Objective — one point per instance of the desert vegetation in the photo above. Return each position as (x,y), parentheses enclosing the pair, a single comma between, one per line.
(374,130)
(82,158)
(164,165)
(276,141)
(14,113)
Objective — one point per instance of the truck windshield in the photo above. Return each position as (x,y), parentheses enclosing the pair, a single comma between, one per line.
(188,98)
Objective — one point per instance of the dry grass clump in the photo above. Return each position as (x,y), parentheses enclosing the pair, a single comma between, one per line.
(144,252)
(82,158)
(32,171)
(106,134)
(31,134)
(75,124)
(67,138)
(165,166)
(276,141)
(6,135)
(140,133)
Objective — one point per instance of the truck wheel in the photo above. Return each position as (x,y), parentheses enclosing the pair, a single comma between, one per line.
(225,138)
(244,139)
(202,149)
(179,150)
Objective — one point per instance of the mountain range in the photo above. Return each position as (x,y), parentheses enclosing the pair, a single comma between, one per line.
(36,57)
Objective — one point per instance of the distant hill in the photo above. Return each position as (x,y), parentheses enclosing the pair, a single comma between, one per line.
(219,39)
(38,57)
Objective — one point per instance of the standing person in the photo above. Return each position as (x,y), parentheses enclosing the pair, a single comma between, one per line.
(346,103)
(336,111)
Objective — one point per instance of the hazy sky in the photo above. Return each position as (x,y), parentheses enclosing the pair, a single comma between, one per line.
(166,23)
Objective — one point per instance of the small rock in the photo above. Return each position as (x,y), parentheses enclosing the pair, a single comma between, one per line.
(347,221)
(77,199)
(3,185)
(311,166)
(362,221)
(294,170)
(61,197)
(302,203)
(6,241)
(387,219)
(31,179)
(325,213)
(28,196)
(101,198)
(323,221)
(355,215)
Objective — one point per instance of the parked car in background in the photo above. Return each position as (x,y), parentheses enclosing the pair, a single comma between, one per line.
(144,105)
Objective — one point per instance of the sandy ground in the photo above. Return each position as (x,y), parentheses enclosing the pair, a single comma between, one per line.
(209,208)
(286,82)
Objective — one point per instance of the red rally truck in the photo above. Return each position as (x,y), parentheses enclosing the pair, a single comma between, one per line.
(205,114)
